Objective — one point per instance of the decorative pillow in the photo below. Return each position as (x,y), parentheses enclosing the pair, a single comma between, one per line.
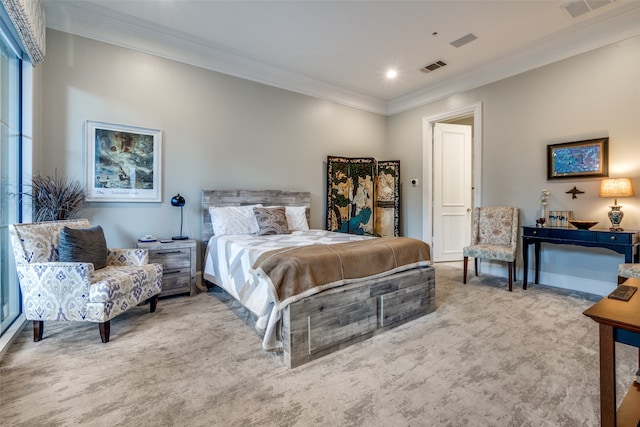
(297,218)
(272,220)
(233,220)
(83,245)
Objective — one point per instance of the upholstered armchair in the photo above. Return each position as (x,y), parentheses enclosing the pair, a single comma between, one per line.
(494,236)
(79,291)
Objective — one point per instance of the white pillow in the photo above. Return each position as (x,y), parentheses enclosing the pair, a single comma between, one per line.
(297,218)
(233,220)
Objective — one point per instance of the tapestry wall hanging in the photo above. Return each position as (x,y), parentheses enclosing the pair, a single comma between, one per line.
(363,196)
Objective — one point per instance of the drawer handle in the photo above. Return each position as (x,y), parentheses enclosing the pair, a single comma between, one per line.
(171,271)
(535,232)
(613,237)
(170,252)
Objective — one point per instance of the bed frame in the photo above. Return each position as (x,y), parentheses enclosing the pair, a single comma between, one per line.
(337,318)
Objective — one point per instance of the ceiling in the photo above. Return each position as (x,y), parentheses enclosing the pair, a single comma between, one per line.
(340,50)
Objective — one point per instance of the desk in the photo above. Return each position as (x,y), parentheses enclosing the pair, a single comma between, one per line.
(623,242)
(619,322)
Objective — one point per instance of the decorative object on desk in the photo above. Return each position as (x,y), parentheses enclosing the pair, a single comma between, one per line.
(544,196)
(582,225)
(574,191)
(179,201)
(560,218)
(147,238)
(616,187)
(123,163)
(580,159)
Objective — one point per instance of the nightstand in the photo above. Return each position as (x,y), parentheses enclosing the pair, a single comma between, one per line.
(178,259)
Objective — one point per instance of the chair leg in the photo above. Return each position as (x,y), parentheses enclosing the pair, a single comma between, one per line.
(464,270)
(621,280)
(105,330)
(510,268)
(38,330)
(475,265)
(153,303)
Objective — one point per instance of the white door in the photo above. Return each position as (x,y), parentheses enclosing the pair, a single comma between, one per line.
(452,190)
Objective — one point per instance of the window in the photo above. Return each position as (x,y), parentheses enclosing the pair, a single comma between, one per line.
(10,161)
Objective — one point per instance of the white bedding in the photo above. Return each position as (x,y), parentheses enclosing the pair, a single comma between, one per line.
(228,261)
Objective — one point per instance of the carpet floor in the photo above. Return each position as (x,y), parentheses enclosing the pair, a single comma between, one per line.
(485,357)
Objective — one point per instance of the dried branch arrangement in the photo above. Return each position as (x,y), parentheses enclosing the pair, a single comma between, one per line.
(56,198)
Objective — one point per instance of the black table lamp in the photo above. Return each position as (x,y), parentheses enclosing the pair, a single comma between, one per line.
(178,200)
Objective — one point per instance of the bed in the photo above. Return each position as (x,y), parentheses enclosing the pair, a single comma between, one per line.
(322,319)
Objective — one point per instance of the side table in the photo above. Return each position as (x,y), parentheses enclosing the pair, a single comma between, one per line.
(178,259)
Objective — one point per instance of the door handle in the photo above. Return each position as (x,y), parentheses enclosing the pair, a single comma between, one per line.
(468,209)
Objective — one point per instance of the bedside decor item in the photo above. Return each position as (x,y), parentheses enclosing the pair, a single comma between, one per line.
(123,163)
(616,187)
(179,201)
(574,191)
(582,225)
(580,159)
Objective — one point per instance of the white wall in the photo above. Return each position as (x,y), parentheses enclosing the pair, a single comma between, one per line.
(225,132)
(588,96)
(219,131)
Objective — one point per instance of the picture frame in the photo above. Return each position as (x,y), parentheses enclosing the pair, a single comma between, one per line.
(578,159)
(123,163)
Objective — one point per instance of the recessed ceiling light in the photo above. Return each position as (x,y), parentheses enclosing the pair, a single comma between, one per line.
(391,74)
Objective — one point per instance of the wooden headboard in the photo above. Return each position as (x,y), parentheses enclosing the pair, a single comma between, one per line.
(219,198)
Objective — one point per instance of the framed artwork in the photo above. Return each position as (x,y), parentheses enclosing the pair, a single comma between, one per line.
(579,159)
(123,163)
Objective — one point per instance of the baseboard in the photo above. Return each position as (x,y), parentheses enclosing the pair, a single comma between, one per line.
(579,284)
(11,334)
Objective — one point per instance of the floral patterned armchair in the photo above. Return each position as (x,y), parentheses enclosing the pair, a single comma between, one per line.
(76,291)
(628,271)
(494,236)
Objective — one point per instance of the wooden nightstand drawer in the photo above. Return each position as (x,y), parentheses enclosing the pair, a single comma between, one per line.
(175,281)
(171,258)
(178,259)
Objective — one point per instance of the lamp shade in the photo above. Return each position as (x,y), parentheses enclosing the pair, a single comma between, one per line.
(177,200)
(616,187)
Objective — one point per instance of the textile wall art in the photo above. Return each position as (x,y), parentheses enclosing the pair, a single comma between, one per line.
(363,196)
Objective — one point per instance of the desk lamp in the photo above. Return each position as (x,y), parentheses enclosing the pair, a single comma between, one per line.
(179,201)
(616,187)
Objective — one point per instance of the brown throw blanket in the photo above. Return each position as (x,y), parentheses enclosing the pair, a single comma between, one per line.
(297,272)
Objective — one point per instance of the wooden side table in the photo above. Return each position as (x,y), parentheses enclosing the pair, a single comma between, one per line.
(178,259)
(619,321)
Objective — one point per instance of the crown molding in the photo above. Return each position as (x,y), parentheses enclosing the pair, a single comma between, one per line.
(620,26)
(105,25)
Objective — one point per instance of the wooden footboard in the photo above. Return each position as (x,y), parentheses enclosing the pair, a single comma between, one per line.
(326,322)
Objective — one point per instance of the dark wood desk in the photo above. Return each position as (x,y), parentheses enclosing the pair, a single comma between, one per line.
(623,242)
(619,322)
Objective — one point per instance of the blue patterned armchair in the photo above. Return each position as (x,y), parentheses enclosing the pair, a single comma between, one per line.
(76,291)
(494,236)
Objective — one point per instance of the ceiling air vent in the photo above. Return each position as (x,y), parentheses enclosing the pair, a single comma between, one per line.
(464,40)
(433,66)
(580,7)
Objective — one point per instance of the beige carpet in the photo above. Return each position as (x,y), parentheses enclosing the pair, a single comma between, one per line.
(486,357)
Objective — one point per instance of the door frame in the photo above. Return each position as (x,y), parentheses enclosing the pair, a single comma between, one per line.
(427,169)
